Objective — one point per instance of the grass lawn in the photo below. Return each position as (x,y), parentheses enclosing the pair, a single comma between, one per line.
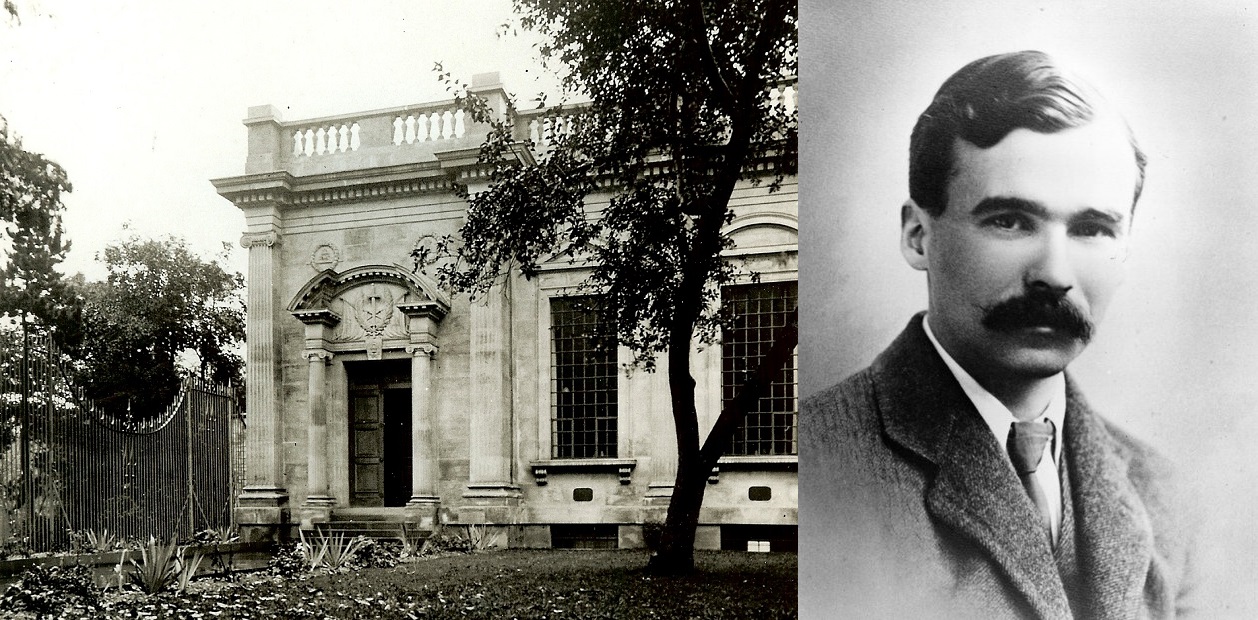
(504,584)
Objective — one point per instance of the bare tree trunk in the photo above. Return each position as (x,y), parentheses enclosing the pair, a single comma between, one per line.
(675,550)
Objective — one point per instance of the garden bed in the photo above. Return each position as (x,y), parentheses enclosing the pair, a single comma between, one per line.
(500,584)
(237,555)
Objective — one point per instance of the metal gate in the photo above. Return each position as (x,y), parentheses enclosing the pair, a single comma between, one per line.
(65,466)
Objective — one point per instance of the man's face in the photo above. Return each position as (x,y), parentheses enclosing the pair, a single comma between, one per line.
(1029,249)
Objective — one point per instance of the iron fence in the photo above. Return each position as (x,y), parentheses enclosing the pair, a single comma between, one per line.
(66,466)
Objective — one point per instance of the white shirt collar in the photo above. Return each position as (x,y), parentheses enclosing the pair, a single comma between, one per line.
(995,413)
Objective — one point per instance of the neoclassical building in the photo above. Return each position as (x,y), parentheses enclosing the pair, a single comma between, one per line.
(374,395)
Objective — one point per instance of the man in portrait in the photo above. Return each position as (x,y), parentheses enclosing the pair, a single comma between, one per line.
(963,474)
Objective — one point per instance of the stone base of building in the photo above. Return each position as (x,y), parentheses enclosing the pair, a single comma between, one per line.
(490,504)
(424,511)
(708,538)
(316,509)
(261,514)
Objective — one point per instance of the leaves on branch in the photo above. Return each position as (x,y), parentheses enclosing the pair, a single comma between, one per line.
(31,187)
(633,181)
(160,306)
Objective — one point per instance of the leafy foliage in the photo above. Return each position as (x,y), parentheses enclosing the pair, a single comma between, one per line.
(158,568)
(159,303)
(519,584)
(338,552)
(290,561)
(379,553)
(445,541)
(186,567)
(679,112)
(46,590)
(685,81)
(31,189)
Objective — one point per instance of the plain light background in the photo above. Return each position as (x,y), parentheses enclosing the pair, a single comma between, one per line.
(1176,358)
(141,100)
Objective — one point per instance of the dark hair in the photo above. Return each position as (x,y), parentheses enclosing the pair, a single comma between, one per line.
(986,100)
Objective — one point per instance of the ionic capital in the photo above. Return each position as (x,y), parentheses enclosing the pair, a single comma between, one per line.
(319,354)
(253,240)
(426,348)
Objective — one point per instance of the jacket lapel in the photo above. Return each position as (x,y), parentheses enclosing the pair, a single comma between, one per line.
(974,491)
(1113,528)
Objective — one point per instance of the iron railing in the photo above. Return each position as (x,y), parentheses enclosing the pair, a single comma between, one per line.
(66,466)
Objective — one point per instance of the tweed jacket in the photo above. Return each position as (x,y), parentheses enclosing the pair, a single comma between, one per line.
(909,508)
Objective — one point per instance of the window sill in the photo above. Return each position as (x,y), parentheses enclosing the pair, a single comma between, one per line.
(623,467)
(769,462)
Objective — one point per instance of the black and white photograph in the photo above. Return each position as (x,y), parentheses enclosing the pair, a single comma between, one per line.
(1027,350)
(399,309)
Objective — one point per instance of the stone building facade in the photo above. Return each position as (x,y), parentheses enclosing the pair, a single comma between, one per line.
(372,394)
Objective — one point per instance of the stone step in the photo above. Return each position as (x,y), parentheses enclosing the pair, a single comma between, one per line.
(380,530)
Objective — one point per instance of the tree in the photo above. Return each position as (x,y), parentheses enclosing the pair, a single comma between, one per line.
(160,307)
(678,112)
(31,186)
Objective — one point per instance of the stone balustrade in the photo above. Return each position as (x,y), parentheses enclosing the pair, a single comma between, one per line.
(411,134)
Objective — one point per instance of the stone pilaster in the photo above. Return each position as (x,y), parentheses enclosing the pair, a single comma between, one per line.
(264,500)
(318,505)
(423,318)
(491,488)
(317,429)
(424,501)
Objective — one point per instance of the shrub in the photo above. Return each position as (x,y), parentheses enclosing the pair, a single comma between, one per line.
(442,541)
(102,541)
(16,548)
(47,590)
(483,538)
(379,554)
(289,562)
(337,552)
(186,568)
(216,536)
(158,567)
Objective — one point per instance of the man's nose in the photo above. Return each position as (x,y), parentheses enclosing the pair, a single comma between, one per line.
(1051,269)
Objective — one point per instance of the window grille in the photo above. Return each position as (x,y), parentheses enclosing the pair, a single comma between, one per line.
(758,311)
(583,380)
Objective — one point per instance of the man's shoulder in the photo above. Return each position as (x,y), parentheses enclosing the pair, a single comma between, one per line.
(1159,481)
(849,402)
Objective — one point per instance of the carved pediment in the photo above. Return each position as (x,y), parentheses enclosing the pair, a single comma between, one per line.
(366,300)
(370,311)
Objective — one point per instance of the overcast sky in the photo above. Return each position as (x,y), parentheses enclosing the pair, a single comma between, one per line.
(141,100)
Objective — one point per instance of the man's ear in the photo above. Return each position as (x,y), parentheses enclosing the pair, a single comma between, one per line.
(914,228)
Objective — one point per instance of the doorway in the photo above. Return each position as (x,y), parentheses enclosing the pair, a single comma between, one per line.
(380,433)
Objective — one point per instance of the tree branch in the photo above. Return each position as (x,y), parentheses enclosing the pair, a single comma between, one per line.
(695,26)
(751,391)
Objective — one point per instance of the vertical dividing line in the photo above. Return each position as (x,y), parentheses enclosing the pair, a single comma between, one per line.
(28,487)
(187,423)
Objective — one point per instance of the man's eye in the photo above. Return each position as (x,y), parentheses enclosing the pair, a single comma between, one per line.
(1008,221)
(1093,229)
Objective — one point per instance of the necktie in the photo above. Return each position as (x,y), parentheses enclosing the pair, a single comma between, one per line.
(1026,448)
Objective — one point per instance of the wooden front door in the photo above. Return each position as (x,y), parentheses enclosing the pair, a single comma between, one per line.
(380,445)
(366,448)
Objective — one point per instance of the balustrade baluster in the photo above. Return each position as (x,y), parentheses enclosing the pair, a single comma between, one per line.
(309,142)
(321,141)
(344,137)
(410,129)
(459,127)
(398,133)
(297,147)
(447,125)
(353,137)
(434,127)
